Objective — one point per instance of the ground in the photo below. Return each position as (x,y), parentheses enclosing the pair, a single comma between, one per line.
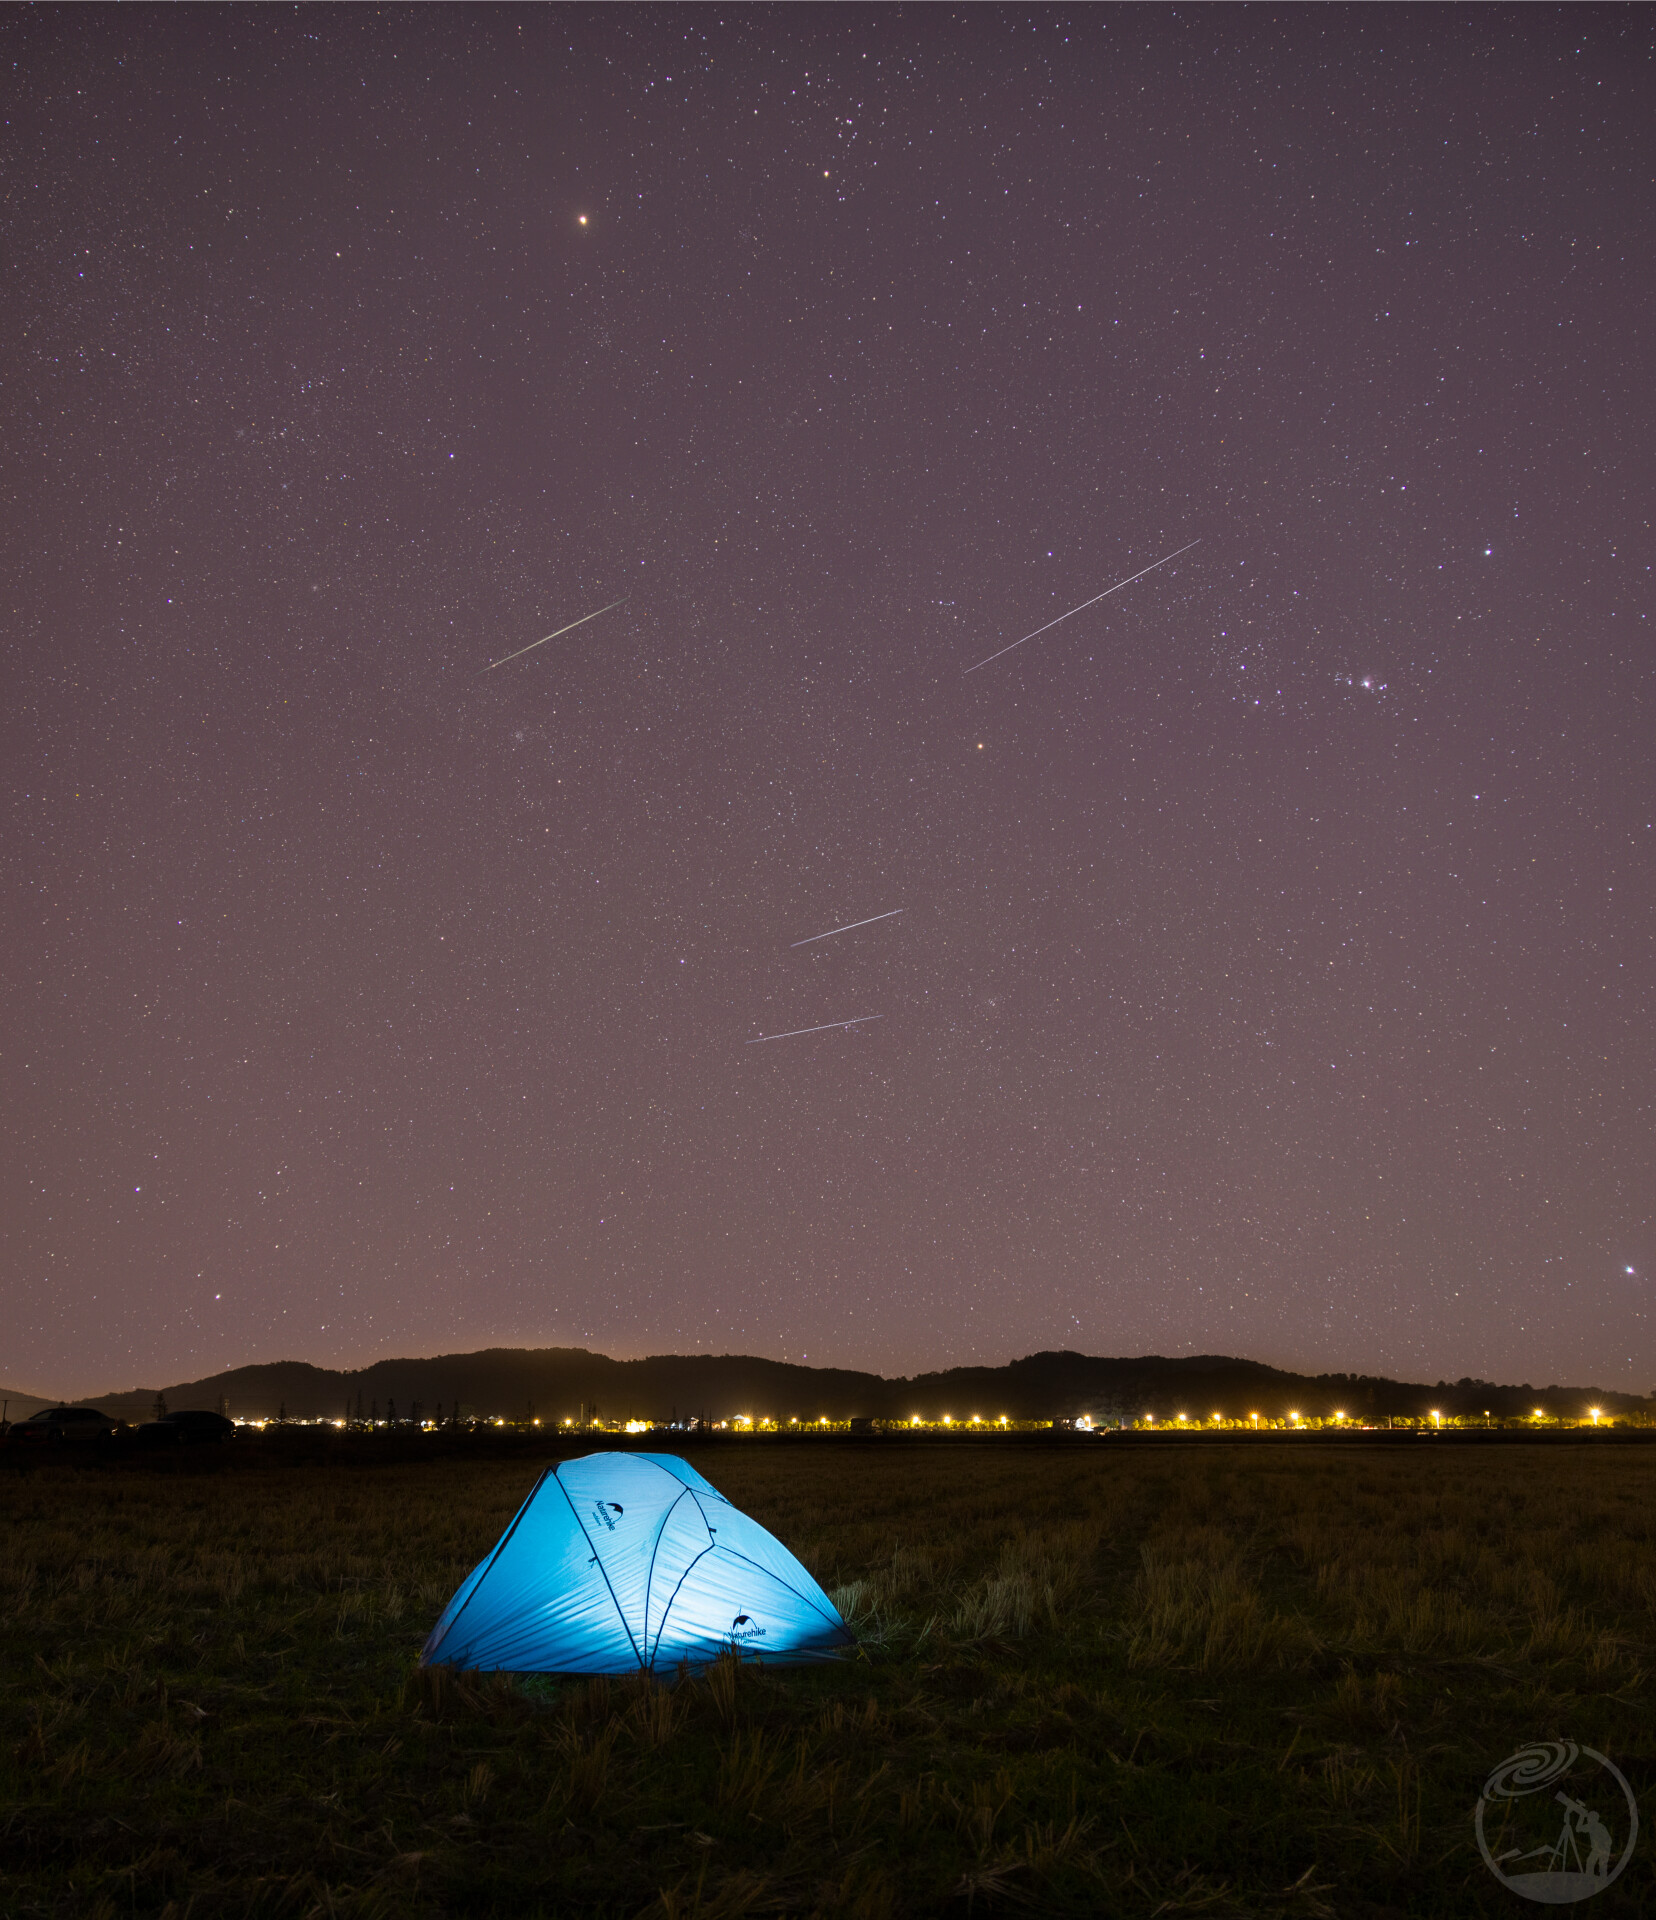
(1213,1679)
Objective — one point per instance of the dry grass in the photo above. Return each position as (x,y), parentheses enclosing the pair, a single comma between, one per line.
(1114,1681)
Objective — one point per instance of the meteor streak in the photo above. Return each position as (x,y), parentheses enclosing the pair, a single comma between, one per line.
(1093,602)
(850,929)
(585,617)
(861,1018)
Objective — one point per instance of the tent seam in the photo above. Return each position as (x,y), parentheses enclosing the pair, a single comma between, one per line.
(500,1548)
(620,1613)
(787,1586)
(655,1548)
(666,1610)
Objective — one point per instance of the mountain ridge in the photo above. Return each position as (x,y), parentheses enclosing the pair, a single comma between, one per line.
(558,1383)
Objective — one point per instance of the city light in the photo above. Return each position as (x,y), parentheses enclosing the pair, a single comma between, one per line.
(1217,1420)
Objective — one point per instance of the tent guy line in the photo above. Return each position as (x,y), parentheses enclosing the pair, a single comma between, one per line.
(1093,602)
(828,1027)
(847,929)
(585,617)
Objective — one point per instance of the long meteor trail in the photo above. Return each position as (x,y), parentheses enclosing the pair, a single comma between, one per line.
(850,929)
(861,1019)
(585,617)
(1093,602)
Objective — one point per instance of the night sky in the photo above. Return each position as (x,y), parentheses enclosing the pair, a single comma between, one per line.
(1274,973)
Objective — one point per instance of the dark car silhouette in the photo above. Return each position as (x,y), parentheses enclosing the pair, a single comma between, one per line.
(62,1427)
(189,1427)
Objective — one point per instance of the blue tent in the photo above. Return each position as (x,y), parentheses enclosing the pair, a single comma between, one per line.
(629,1561)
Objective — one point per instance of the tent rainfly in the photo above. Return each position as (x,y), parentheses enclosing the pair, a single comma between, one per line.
(623,1562)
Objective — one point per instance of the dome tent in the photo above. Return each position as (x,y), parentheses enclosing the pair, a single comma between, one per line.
(622,1562)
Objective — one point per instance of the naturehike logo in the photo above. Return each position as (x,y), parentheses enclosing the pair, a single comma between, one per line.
(1555,1857)
(745,1627)
(605,1509)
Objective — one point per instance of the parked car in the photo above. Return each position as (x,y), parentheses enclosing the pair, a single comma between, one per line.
(189,1427)
(61,1427)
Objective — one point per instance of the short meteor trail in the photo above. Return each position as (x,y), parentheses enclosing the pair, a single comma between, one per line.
(585,617)
(861,1020)
(1093,602)
(850,929)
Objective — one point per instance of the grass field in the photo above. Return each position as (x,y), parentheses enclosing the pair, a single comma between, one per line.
(1208,1680)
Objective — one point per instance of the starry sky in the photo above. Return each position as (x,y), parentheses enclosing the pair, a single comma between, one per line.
(1273,973)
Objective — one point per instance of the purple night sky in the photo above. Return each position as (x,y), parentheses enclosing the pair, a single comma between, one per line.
(1274,971)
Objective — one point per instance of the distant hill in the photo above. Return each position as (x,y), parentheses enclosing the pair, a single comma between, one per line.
(18,1406)
(556,1383)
